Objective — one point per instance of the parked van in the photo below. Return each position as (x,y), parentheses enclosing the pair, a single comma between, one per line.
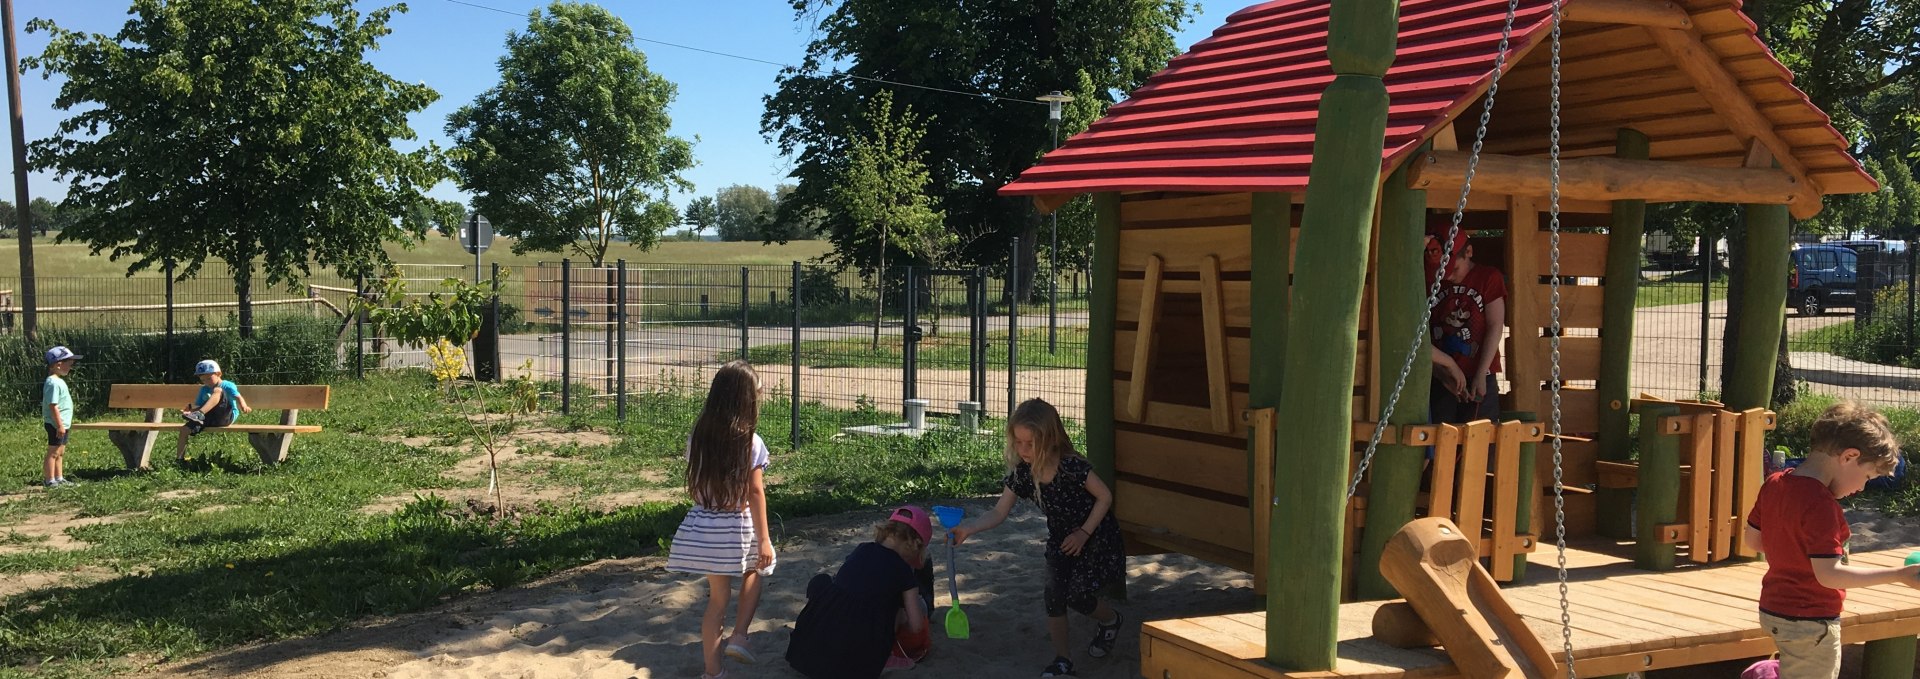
(1822,277)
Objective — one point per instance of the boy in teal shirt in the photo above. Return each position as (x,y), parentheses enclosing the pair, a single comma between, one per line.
(218,404)
(56,413)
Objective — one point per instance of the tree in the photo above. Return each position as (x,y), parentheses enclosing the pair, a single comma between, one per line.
(255,133)
(791,225)
(1017,49)
(701,215)
(570,150)
(742,212)
(43,213)
(445,217)
(881,190)
(9,219)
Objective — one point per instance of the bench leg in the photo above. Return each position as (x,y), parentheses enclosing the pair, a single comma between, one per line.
(135,446)
(1888,659)
(271,447)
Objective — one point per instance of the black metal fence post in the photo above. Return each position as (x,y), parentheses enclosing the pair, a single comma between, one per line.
(1910,305)
(606,305)
(620,349)
(566,336)
(170,360)
(793,434)
(1013,327)
(910,341)
(359,326)
(1709,251)
(746,304)
(979,362)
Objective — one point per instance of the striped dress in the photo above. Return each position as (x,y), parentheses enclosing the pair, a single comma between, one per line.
(719,541)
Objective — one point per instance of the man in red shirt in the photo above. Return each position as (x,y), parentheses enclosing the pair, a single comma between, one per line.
(1467,327)
(1798,523)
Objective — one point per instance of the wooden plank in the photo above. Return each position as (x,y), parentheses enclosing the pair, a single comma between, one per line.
(1147,318)
(1608,178)
(1581,254)
(1700,489)
(1195,207)
(1213,317)
(175,426)
(1239,354)
(1261,503)
(1472,475)
(1751,472)
(1446,455)
(1182,461)
(147,396)
(1527,364)
(1506,497)
(1236,294)
(1184,418)
(1185,249)
(1725,518)
(1581,306)
(260,396)
(1164,511)
(1657,13)
(1579,358)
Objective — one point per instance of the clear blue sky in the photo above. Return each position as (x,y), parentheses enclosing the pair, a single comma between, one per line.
(454,47)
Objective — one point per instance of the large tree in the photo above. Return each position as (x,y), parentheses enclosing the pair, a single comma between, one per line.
(792,225)
(742,212)
(249,131)
(1015,49)
(571,150)
(700,214)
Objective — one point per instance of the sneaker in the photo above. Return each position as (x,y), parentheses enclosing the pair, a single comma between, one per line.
(896,663)
(1104,637)
(1060,667)
(52,483)
(738,650)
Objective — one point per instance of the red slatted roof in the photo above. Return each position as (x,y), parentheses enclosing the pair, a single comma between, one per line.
(1237,111)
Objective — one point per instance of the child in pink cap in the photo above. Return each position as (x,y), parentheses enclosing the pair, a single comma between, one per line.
(861,620)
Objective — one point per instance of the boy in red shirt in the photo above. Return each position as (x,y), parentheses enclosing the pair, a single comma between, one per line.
(1801,528)
(1467,326)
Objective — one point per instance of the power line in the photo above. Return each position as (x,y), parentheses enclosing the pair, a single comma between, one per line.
(974,95)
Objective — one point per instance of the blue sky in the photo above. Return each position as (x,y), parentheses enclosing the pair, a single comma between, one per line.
(454,46)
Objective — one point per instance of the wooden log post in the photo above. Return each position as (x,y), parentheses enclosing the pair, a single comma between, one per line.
(1272,247)
(1615,505)
(1400,295)
(1888,659)
(1658,501)
(1100,323)
(1316,403)
(1762,309)
(1602,178)
(1529,491)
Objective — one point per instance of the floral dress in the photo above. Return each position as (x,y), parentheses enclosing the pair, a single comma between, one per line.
(1072,581)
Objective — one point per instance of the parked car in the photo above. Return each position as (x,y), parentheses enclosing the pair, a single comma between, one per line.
(1822,277)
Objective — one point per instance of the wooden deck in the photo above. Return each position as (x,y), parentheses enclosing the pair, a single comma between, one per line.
(1624,619)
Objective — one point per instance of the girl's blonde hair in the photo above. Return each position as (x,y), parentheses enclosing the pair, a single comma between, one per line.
(720,450)
(1050,441)
(899,532)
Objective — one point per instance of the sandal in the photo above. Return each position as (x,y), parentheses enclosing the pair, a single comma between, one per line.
(738,650)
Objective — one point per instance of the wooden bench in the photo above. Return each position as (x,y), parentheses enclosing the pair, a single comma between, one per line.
(271,441)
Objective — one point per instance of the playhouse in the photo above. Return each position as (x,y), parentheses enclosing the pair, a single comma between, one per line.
(1262,204)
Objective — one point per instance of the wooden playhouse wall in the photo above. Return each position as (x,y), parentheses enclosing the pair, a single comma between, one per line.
(1184,484)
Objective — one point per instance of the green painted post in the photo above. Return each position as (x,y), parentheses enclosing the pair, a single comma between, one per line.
(1888,659)
(1659,496)
(1316,403)
(1272,245)
(1529,488)
(1100,310)
(1401,296)
(1762,309)
(1615,513)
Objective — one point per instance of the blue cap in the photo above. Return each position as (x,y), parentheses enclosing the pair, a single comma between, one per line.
(207,367)
(60,353)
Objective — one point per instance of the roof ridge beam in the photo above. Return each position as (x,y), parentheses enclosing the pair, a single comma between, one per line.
(1652,13)
(1605,178)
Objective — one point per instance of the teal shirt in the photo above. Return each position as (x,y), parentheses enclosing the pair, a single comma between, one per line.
(54,394)
(229,396)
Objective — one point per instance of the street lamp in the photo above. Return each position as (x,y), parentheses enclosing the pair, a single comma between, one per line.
(1054,101)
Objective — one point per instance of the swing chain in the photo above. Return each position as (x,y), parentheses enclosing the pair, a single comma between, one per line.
(1446,255)
(1553,276)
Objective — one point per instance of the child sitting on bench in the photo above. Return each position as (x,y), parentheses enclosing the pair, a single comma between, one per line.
(218,404)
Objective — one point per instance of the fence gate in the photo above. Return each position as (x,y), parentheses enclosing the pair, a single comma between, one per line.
(945,335)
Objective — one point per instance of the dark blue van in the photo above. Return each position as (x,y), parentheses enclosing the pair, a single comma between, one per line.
(1822,277)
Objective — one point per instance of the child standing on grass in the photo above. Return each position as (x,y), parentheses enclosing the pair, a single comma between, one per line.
(870,616)
(725,535)
(218,404)
(1798,523)
(1083,549)
(56,413)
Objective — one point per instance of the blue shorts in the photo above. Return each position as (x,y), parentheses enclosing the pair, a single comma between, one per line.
(54,437)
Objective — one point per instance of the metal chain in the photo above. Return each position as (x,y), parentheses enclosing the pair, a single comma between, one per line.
(1553,276)
(1446,255)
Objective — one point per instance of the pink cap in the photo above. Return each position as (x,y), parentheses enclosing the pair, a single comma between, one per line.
(915,518)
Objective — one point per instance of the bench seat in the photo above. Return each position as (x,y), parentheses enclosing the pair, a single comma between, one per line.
(271,441)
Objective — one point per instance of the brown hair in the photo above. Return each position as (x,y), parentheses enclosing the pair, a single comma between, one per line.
(1850,425)
(1050,440)
(720,451)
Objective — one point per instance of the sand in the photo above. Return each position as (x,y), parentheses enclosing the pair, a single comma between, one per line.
(631,618)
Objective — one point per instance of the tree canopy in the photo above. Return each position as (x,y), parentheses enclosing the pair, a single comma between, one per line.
(741,212)
(571,151)
(700,214)
(255,133)
(1014,49)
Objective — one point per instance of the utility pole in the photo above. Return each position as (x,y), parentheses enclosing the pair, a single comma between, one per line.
(28,324)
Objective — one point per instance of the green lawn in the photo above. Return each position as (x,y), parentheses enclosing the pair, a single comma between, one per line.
(1680,289)
(1824,340)
(946,351)
(225,551)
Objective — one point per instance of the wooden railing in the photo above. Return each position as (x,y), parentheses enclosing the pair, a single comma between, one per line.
(1700,469)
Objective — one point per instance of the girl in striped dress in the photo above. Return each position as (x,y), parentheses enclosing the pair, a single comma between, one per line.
(724,536)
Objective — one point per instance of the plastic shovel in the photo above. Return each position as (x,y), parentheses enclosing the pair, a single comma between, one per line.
(957,625)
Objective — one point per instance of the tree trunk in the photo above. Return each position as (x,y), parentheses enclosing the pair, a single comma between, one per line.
(879,290)
(1736,290)
(243,290)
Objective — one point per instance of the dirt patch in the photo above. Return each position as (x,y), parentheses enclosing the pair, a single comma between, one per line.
(50,531)
(411,441)
(520,498)
(18,583)
(181,494)
(585,438)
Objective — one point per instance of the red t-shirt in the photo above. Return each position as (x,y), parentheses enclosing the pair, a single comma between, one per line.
(1460,318)
(1799,521)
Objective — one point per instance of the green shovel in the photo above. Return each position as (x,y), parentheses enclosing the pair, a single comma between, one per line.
(957,625)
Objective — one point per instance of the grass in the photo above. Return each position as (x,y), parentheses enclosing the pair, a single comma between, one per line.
(226,551)
(1794,431)
(947,350)
(1682,288)
(1826,340)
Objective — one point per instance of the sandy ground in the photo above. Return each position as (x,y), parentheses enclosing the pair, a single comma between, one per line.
(631,618)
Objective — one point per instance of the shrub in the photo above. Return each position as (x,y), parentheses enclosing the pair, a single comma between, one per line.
(1883,336)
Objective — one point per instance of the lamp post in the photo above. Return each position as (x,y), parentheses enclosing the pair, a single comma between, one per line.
(1054,100)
